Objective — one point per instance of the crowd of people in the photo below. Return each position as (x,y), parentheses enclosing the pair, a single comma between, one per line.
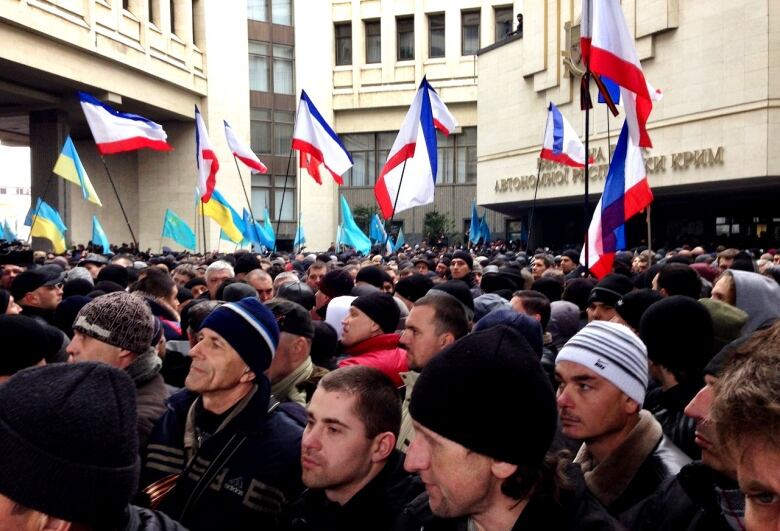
(433,389)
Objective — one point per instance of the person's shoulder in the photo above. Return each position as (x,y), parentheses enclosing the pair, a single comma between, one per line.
(141,519)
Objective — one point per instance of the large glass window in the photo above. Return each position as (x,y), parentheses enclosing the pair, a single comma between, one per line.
(457,163)
(257,10)
(405,38)
(281,12)
(343,43)
(283,69)
(261,194)
(260,130)
(373,41)
(267,192)
(284,198)
(469,32)
(283,130)
(503,22)
(258,66)
(436,35)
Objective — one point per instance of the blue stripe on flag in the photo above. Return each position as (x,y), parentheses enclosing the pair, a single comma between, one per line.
(557,129)
(429,131)
(317,116)
(89,98)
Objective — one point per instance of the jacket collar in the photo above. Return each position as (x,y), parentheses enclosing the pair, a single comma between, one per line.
(380,342)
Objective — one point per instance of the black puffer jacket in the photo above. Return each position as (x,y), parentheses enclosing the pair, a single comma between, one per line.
(140,519)
(686,502)
(668,408)
(375,507)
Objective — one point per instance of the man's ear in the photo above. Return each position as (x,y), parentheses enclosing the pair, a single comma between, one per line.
(51,523)
(502,469)
(247,376)
(384,443)
(446,339)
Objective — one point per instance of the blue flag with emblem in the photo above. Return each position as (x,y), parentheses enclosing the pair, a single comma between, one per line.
(177,230)
(99,236)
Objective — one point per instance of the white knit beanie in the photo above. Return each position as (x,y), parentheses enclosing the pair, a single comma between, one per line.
(612,351)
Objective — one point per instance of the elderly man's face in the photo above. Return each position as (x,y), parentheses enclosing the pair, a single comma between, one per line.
(216,366)
(215,279)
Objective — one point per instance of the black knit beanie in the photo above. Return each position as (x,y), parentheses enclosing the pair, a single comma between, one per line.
(497,362)
(414,287)
(373,275)
(114,273)
(381,308)
(24,343)
(465,256)
(610,289)
(68,441)
(634,304)
(336,283)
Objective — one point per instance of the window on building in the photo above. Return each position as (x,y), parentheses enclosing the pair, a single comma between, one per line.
(153,7)
(436,35)
(283,69)
(503,22)
(257,10)
(405,38)
(343,31)
(283,130)
(261,193)
(457,162)
(373,42)
(469,35)
(172,11)
(281,12)
(260,130)
(258,66)
(269,192)
(284,198)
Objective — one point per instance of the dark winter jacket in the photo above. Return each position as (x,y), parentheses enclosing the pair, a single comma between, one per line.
(577,510)
(668,409)
(140,519)
(686,502)
(252,488)
(375,507)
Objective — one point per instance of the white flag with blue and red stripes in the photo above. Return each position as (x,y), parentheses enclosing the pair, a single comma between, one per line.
(205,159)
(241,151)
(443,119)
(115,131)
(608,50)
(412,156)
(318,143)
(626,193)
(561,143)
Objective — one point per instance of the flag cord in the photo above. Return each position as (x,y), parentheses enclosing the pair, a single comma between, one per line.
(397,193)
(119,200)
(536,189)
(609,140)
(38,207)
(284,192)
(585,216)
(243,188)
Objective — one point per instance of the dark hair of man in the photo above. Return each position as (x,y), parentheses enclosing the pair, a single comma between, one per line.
(156,282)
(541,480)
(320,265)
(199,311)
(447,317)
(548,260)
(679,279)
(747,396)
(535,302)
(376,400)
(197,281)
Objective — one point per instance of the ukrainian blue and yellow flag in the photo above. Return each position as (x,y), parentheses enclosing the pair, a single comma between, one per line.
(69,167)
(45,222)
(220,211)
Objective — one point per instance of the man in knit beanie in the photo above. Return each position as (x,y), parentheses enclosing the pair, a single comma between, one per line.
(602,381)
(605,295)
(236,448)
(68,451)
(117,329)
(484,465)
(369,336)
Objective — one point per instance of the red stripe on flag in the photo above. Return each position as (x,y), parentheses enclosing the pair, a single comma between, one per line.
(637,198)
(561,158)
(252,163)
(131,144)
(603,265)
(316,153)
(401,155)
(211,180)
(383,198)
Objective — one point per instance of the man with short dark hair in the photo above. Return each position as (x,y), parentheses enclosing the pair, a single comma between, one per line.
(678,279)
(315,273)
(541,262)
(354,475)
(433,323)
(262,282)
(605,295)
(38,291)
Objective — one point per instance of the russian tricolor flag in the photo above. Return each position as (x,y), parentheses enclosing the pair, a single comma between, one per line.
(608,50)
(413,155)
(561,143)
(318,143)
(205,159)
(626,193)
(116,131)
(241,151)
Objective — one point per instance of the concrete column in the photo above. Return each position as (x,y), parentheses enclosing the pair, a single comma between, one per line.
(48,130)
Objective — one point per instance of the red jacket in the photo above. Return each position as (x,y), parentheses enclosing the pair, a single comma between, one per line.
(381,352)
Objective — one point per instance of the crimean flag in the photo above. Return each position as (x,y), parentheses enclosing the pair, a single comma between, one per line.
(561,144)
(241,151)
(115,131)
(70,168)
(218,209)
(205,159)
(177,230)
(45,222)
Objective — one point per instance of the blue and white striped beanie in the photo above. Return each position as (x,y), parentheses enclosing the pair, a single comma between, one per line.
(250,328)
(612,351)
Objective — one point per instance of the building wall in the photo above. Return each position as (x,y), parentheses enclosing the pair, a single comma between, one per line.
(367,98)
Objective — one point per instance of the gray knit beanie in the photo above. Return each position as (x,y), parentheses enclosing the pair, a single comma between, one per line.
(119,319)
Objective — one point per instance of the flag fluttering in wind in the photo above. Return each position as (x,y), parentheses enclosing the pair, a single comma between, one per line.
(268,233)
(413,156)
(484,230)
(242,152)
(115,131)
(350,232)
(318,143)
(338,235)
(218,209)
(177,230)
(8,232)
(70,168)
(377,232)
(99,236)
(608,49)
(256,234)
(474,228)
(400,241)
(626,192)
(561,143)
(300,236)
(205,159)
(443,119)
(45,222)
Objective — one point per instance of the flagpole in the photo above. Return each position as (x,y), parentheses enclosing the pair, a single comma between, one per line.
(395,203)
(119,200)
(284,191)
(243,187)
(536,189)
(203,223)
(38,206)
(585,216)
(649,240)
